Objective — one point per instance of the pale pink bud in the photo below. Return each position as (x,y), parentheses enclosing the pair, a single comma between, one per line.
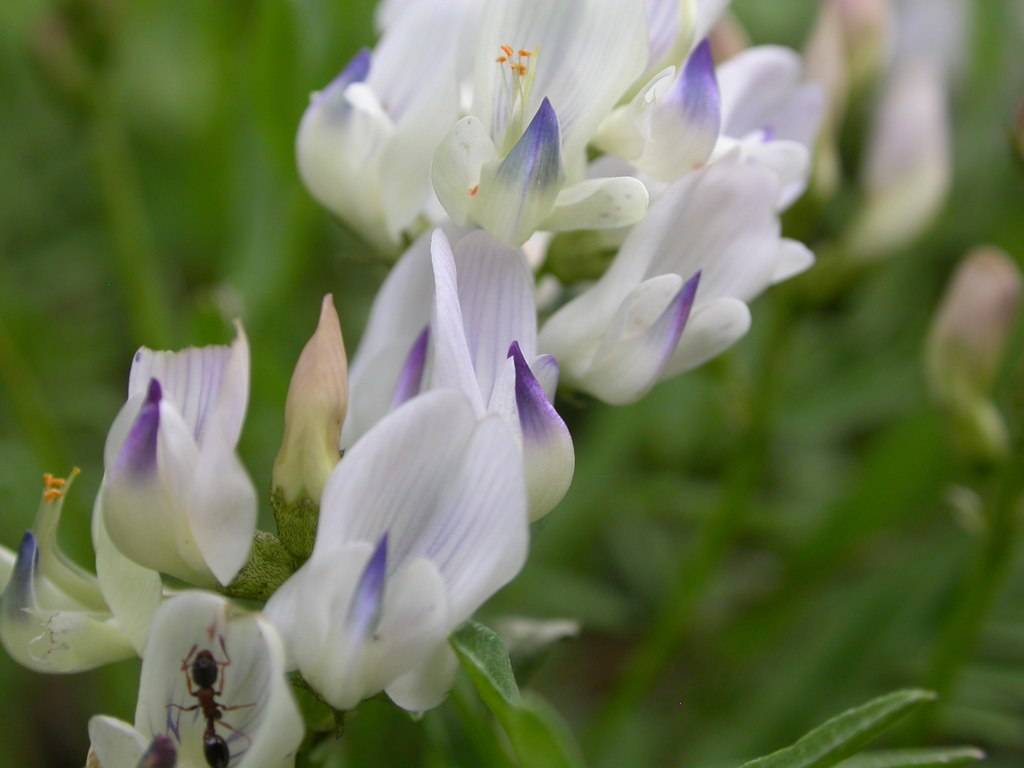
(314,412)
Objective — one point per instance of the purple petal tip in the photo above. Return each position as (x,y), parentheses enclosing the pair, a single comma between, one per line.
(536,159)
(696,90)
(368,598)
(410,378)
(25,566)
(161,753)
(138,454)
(537,416)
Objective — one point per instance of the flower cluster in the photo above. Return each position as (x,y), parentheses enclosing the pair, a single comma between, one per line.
(533,118)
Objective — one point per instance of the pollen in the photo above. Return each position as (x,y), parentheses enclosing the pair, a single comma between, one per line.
(507,50)
(474,190)
(54,487)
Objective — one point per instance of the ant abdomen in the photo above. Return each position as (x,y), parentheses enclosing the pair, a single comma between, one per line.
(216,752)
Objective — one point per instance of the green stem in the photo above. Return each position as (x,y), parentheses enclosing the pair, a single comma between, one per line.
(959,636)
(135,256)
(715,539)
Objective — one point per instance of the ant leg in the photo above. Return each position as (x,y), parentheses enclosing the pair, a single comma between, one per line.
(185,663)
(180,708)
(223,664)
(236,706)
(237,732)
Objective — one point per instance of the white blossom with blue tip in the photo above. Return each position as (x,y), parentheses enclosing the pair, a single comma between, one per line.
(403,558)
(176,498)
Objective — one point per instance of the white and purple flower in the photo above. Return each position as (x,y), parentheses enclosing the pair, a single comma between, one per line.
(403,558)
(465,318)
(175,497)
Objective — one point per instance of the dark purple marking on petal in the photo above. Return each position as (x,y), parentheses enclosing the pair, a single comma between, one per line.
(332,98)
(160,754)
(537,416)
(410,378)
(21,588)
(677,313)
(536,159)
(695,91)
(356,71)
(138,454)
(368,598)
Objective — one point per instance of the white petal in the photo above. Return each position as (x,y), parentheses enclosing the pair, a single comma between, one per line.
(546,369)
(338,148)
(753,85)
(641,339)
(452,364)
(427,685)
(712,328)
(518,192)
(587,53)
(132,591)
(457,164)
(460,500)
(599,204)
(400,312)
(147,512)
(684,122)
(7,558)
(794,258)
(790,161)
(313,611)
(209,386)
(115,742)
(720,222)
(222,510)
(495,289)
(45,630)
(266,727)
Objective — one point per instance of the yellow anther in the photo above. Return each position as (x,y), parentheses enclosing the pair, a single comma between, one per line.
(525,54)
(52,494)
(507,49)
(474,190)
(501,59)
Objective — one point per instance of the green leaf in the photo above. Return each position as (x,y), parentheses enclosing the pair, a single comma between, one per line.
(539,736)
(916,758)
(845,734)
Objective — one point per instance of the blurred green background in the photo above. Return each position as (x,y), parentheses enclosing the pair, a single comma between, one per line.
(752,548)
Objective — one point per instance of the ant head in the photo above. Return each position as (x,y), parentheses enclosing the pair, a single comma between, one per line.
(204,669)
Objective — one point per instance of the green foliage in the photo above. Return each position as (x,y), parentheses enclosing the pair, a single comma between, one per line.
(916,758)
(539,737)
(845,734)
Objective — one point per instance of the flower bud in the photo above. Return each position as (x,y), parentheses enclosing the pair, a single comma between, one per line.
(314,412)
(968,341)
(908,167)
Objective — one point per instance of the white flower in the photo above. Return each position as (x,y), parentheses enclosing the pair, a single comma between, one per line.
(259,725)
(423,520)
(465,319)
(366,141)
(675,295)
(771,114)
(671,126)
(55,617)
(908,166)
(314,412)
(175,496)
(544,76)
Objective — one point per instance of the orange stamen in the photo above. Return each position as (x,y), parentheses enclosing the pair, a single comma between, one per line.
(52,494)
(501,59)
(507,49)
(474,190)
(524,53)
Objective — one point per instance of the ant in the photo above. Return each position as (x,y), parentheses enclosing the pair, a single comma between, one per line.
(202,669)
